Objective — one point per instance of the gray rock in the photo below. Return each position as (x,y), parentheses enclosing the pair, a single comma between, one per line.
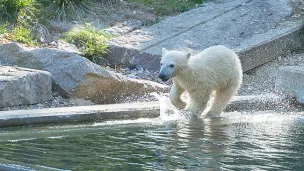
(290,81)
(20,86)
(76,76)
(60,27)
(42,33)
(250,27)
(62,45)
(124,28)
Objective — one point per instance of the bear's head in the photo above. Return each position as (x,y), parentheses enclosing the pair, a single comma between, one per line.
(171,64)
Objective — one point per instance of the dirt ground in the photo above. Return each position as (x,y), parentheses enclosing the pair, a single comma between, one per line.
(118,18)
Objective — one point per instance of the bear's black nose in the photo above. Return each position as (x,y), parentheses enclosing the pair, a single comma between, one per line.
(162,77)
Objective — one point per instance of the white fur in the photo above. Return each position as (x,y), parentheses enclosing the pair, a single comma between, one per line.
(216,68)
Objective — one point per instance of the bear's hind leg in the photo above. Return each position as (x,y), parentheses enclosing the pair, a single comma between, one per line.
(221,100)
(198,103)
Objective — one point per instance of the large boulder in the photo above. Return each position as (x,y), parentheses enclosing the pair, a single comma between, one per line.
(20,86)
(76,76)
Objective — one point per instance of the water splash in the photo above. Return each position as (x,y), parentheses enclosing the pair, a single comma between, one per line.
(268,116)
(169,113)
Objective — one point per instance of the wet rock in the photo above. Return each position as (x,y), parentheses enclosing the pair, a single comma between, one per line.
(20,86)
(76,76)
(290,81)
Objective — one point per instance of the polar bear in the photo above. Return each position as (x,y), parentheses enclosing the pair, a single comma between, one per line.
(216,68)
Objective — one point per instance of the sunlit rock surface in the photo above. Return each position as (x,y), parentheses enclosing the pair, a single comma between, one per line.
(250,27)
(76,76)
(21,86)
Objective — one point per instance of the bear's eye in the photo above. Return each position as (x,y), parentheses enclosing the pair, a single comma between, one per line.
(161,63)
(171,65)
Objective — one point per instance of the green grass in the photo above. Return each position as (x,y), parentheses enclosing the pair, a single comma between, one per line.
(3,28)
(19,17)
(21,35)
(18,10)
(90,41)
(68,9)
(168,7)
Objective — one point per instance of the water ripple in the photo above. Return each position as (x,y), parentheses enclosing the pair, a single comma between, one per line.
(237,141)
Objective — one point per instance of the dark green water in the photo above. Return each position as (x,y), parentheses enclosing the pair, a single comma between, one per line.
(260,141)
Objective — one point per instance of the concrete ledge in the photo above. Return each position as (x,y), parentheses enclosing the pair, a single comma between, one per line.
(98,113)
(259,31)
(254,53)
(79,114)
(255,102)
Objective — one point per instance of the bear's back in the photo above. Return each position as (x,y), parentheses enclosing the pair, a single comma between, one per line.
(215,54)
(216,65)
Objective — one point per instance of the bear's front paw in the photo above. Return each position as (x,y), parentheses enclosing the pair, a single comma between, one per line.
(179,104)
(213,114)
(192,109)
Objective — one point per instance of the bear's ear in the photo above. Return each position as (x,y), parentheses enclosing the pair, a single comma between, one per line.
(188,55)
(164,51)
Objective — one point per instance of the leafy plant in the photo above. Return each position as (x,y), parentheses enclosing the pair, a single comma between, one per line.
(3,28)
(22,35)
(90,41)
(18,10)
(20,17)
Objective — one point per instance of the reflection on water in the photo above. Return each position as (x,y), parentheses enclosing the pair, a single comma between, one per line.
(237,141)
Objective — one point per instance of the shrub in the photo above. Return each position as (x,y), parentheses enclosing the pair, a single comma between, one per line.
(18,10)
(3,28)
(90,41)
(20,18)
(22,35)
(68,9)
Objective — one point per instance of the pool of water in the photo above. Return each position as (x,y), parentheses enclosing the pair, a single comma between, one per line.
(237,141)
